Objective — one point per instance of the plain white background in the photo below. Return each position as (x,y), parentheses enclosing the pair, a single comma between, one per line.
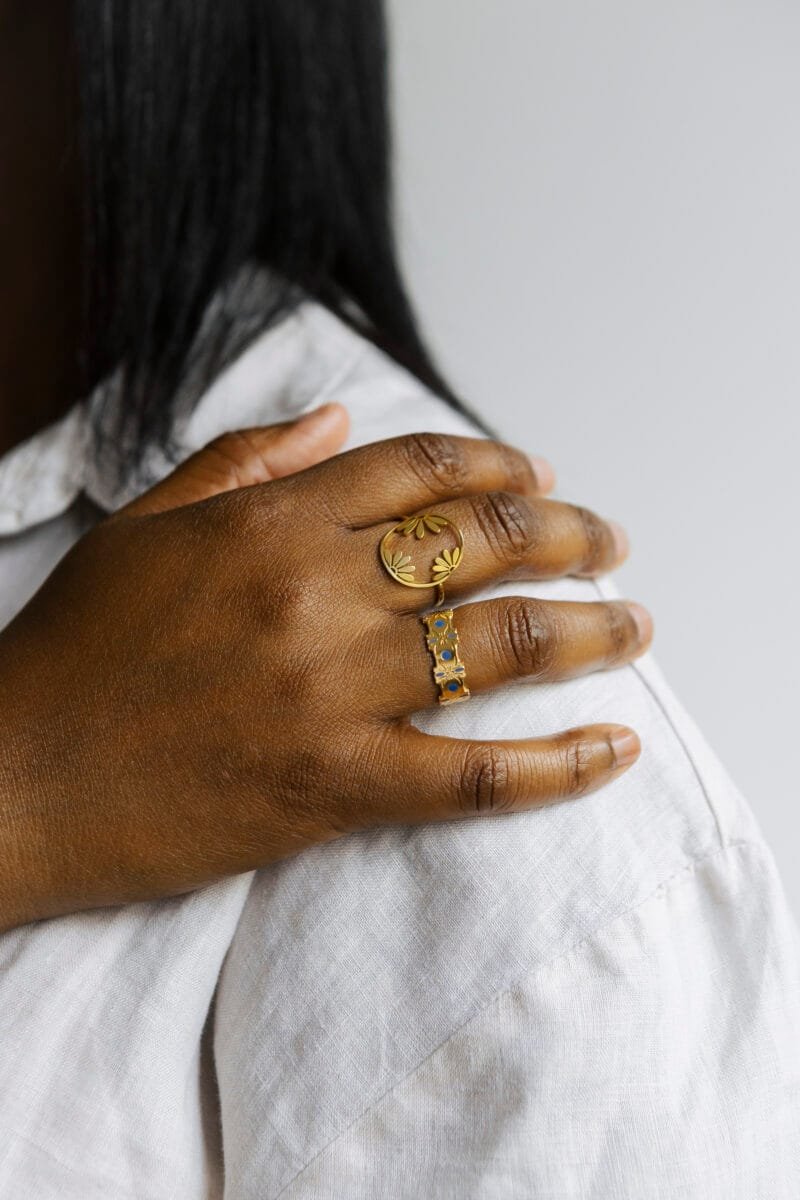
(600,213)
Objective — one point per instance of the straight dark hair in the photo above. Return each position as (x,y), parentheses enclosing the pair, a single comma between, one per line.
(220,135)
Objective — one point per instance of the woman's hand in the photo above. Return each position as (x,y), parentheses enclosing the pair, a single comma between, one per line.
(202,690)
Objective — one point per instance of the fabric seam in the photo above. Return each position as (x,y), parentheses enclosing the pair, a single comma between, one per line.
(677,879)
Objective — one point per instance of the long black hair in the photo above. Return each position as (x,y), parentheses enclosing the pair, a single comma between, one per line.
(219,134)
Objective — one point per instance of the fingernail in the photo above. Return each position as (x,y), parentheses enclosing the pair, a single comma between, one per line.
(322,418)
(644,622)
(545,475)
(316,414)
(621,542)
(625,747)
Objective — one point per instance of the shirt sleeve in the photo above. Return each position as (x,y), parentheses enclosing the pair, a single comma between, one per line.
(592,1000)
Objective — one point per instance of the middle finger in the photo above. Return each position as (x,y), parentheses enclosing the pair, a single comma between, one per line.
(508,537)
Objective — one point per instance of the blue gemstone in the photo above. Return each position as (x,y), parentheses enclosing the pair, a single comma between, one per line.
(447,655)
(453,687)
(439,624)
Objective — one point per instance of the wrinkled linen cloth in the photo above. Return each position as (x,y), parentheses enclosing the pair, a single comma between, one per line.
(600,1000)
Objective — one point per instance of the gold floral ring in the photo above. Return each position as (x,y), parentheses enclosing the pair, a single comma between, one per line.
(403,566)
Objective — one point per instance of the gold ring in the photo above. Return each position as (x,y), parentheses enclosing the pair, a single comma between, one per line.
(402,566)
(449,673)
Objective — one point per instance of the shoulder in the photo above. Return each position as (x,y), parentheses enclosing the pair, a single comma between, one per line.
(309,358)
(415,932)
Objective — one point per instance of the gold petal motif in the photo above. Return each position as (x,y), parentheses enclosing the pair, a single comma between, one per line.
(444,566)
(402,567)
(419,525)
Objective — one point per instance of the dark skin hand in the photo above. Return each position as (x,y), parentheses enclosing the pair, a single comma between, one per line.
(193,693)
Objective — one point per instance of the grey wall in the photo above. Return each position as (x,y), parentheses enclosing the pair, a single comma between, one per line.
(600,211)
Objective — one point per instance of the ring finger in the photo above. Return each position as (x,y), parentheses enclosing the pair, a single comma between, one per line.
(518,638)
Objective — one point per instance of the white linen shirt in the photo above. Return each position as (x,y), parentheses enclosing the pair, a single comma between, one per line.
(596,1001)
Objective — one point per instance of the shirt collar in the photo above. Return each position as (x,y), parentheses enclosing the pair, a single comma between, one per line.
(290,368)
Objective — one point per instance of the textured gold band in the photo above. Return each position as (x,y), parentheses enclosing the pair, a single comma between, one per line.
(449,672)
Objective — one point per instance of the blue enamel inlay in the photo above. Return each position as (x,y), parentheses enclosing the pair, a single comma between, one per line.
(447,655)
(453,687)
(439,624)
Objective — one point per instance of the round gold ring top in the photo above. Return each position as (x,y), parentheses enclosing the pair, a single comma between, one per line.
(401,565)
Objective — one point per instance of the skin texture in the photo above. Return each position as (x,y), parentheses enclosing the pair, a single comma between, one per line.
(193,692)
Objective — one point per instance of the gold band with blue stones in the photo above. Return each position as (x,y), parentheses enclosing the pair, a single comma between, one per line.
(449,672)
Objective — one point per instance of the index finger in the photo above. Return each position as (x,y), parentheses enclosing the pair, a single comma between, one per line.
(390,479)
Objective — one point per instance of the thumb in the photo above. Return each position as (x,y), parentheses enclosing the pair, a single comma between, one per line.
(246,457)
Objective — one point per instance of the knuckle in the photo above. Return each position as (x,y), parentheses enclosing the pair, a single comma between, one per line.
(293,606)
(516,466)
(231,443)
(506,523)
(438,460)
(231,451)
(293,602)
(578,767)
(596,537)
(620,630)
(485,781)
(245,525)
(530,640)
